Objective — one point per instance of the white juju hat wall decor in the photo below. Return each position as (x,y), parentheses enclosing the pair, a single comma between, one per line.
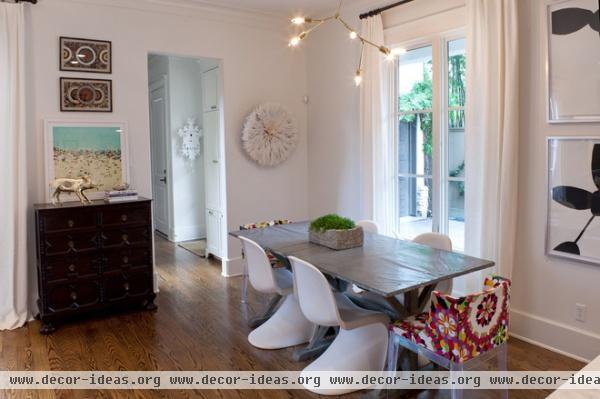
(190,139)
(270,134)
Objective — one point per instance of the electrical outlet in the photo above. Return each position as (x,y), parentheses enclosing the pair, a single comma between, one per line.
(580,312)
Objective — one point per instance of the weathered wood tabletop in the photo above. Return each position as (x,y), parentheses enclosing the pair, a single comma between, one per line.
(383,265)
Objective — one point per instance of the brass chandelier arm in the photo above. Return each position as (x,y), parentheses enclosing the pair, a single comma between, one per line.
(353,35)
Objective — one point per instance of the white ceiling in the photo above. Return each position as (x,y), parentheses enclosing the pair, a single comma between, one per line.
(280,7)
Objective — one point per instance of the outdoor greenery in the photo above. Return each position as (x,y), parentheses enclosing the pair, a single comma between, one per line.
(420,97)
(331,222)
(458,172)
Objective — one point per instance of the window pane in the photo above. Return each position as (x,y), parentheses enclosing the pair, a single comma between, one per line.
(456,73)
(415,195)
(415,144)
(456,214)
(456,144)
(456,119)
(414,80)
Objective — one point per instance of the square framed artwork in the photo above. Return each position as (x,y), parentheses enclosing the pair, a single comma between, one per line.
(96,149)
(85,55)
(85,95)
(573,226)
(573,56)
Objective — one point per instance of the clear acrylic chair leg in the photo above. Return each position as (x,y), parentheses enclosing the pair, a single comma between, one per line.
(393,350)
(502,364)
(459,368)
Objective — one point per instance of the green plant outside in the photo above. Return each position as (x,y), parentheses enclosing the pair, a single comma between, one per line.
(331,222)
(421,97)
(458,172)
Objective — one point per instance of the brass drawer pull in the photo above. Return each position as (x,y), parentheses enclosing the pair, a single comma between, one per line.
(74,295)
(72,267)
(71,244)
(125,237)
(123,218)
(125,259)
(126,286)
(70,223)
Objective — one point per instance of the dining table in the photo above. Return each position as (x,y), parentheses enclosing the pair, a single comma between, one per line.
(386,267)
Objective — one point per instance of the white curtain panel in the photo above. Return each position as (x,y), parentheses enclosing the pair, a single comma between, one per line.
(13,200)
(492,135)
(378,180)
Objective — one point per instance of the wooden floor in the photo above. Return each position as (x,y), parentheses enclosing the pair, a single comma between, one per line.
(199,325)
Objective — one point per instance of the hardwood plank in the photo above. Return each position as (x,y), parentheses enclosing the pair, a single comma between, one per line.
(200,324)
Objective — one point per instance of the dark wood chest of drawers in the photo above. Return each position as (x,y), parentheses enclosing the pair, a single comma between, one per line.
(93,258)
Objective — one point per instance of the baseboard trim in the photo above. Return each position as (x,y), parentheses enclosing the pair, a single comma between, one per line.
(188,233)
(548,347)
(232,267)
(558,337)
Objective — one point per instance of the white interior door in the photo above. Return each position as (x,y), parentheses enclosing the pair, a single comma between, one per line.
(158,137)
(210,90)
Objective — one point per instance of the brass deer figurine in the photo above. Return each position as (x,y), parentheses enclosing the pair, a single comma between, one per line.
(76,186)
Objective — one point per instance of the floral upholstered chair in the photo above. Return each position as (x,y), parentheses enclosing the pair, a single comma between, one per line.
(457,330)
(272,259)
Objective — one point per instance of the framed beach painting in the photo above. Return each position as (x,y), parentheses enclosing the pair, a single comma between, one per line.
(573,49)
(96,149)
(573,229)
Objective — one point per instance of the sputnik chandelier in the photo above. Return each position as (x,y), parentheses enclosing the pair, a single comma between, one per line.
(314,23)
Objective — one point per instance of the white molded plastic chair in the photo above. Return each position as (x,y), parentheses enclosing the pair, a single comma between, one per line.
(362,339)
(288,326)
(437,241)
(369,226)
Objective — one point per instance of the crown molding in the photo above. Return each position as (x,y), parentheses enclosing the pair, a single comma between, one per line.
(202,9)
(351,9)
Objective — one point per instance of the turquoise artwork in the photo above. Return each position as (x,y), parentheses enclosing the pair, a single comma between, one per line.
(88,150)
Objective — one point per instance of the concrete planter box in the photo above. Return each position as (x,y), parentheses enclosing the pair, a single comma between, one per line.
(338,239)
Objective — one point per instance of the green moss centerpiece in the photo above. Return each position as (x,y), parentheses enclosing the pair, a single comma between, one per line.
(335,232)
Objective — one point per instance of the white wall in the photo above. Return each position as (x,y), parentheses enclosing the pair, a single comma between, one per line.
(257,67)
(333,122)
(545,289)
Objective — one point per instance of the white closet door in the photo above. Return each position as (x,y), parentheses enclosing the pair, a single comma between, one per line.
(212,160)
(213,232)
(210,90)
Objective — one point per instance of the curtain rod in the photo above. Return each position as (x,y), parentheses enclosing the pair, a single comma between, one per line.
(378,11)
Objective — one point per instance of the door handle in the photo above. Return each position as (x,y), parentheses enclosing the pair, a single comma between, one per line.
(164,180)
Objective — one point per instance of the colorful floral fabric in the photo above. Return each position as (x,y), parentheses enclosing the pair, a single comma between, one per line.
(261,225)
(462,328)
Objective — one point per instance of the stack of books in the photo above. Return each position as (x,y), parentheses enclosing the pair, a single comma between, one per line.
(120,196)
